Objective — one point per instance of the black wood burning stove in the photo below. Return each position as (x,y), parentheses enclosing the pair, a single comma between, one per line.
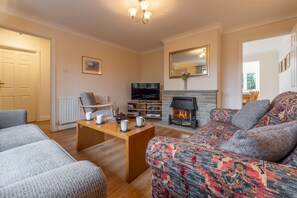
(183,111)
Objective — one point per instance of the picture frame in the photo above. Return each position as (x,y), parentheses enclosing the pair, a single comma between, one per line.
(280,68)
(285,64)
(91,65)
(288,60)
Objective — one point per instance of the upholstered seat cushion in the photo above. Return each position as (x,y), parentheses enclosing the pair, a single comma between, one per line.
(29,160)
(249,115)
(20,135)
(271,143)
(213,134)
(88,98)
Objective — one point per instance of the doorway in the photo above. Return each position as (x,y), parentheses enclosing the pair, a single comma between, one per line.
(25,72)
(260,66)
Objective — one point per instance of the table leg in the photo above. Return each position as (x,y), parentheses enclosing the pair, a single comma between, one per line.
(86,137)
(135,153)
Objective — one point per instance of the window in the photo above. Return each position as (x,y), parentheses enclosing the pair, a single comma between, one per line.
(251,75)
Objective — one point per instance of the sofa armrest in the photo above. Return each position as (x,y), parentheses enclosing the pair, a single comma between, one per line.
(79,179)
(200,171)
(11,118)
(222,115)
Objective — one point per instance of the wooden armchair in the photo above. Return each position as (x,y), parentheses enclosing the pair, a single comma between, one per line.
(88,103)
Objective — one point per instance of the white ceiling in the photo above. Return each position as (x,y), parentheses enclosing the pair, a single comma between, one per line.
(109,20)
(265,45)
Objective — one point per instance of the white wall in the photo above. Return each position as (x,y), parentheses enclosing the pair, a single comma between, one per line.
(268,73)
(210,82)
(9,39)
(232,57)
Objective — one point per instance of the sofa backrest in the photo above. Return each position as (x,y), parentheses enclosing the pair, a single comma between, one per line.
(283,108)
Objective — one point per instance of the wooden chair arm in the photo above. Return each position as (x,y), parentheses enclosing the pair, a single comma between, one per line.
(99,105)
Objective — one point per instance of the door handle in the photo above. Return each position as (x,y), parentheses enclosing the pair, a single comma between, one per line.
(1,83)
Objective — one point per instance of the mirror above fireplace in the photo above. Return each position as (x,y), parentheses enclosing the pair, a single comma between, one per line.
(194,61)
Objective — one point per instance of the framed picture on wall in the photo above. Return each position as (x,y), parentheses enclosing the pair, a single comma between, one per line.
(284,64)
(281,66)
(288,60)
(91,65)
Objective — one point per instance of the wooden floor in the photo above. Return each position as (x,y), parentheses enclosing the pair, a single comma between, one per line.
(110,156)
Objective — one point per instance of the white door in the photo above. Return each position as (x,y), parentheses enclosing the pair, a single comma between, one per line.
(17,76)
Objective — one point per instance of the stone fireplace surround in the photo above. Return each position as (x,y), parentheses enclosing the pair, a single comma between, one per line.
(206,101)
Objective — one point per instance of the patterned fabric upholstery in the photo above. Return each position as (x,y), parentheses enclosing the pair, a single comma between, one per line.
(283,109)
(222,115)
(213,134)
(194,167)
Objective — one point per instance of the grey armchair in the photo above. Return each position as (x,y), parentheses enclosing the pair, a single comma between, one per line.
(88,103)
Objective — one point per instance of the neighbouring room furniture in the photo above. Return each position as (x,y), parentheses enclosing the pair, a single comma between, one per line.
(254,95)
(88,133)
(250,96)
(88,103)
(152,109)
(32,165)
(223,160)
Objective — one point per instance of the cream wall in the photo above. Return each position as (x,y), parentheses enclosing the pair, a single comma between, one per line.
(232,57)
(268,73)
(152,67)
(210,82)
(120,66)
(119,69)
(9,39)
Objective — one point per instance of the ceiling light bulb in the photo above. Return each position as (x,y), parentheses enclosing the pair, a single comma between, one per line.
(132,12)
(144,5)
(147,15)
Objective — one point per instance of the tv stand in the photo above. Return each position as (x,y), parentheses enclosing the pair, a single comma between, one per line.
(145,108)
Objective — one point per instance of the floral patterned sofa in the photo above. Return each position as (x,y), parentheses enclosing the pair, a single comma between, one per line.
(195,167)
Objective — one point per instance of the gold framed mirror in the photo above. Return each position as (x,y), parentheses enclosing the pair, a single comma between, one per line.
(194,61)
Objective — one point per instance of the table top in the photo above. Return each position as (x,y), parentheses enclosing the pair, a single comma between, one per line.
(112,128)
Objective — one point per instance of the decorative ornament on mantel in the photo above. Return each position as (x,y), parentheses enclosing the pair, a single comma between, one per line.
(142,14)
(185,76)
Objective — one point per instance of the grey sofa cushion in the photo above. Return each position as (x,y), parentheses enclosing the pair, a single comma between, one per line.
(29,160)
(249,115)
(9,118)
(88,98)
(20,135)
(80,179)
(271,143)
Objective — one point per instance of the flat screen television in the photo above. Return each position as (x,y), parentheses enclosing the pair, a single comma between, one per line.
(145,91)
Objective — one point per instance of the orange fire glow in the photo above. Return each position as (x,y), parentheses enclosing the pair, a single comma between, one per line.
(181,114)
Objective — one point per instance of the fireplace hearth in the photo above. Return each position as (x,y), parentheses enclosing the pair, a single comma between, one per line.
(183,112)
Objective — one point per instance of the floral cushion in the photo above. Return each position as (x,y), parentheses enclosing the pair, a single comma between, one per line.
(283,109)
(273,117)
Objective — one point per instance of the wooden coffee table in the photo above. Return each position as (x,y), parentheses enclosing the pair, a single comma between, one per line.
(88,134)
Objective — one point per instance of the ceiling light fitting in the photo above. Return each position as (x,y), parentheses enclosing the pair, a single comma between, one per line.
(142,15)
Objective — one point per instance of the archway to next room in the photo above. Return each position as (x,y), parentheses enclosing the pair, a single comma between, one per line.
(262,75)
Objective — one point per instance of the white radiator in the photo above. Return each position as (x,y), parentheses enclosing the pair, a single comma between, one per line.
(68,110)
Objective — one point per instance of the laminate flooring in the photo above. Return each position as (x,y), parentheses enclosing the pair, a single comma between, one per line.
(110,156)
